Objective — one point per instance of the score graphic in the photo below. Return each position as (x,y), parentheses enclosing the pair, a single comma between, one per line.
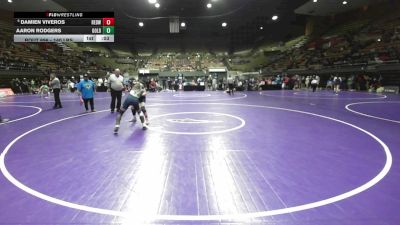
(108,21)
(64,26)
(108,25)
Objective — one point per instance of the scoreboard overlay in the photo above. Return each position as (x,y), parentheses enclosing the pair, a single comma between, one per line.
(64,26)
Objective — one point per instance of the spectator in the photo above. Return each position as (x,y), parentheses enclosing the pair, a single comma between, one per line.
(152,85)
(337,82)
(314,83)
(87,88)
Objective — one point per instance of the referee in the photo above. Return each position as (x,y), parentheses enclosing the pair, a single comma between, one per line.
(56,86)
(116,85)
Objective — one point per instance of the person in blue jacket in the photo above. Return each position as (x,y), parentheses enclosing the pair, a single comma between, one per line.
(86,89)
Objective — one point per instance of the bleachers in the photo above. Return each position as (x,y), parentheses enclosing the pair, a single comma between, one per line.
(348,27)
(174,61)
(358,42)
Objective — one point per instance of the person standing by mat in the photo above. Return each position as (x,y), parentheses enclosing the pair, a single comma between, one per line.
(337,82)
(56,86)
(86,88)
(230,85)
(314,83)
(116,85)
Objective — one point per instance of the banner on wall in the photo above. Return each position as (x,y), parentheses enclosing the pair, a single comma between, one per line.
(6,92)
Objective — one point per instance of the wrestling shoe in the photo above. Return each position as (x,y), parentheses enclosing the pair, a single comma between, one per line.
(116,128)
(4,120)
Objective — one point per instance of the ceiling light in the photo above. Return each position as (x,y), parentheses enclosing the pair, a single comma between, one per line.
(9,1)
(141,24)
(261,28)
(315,0)
(344,2)
(275,17)
(209,5)
(183,24)
(152,1)
(157,5)
(224,24)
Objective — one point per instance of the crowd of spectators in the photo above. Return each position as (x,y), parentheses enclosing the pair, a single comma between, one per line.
(370,44)
(373,43)
(360,82)
(46,58)
(182,61)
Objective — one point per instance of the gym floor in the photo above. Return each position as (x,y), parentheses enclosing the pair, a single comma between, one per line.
(271,157)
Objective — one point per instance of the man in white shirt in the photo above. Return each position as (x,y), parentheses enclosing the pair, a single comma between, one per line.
(116,85)
(214,84)
(337,81)
(314,84)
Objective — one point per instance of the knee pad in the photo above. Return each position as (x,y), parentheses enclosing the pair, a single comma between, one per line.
(141,114)
(142,104)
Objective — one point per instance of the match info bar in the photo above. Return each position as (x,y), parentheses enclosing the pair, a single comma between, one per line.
(64,27)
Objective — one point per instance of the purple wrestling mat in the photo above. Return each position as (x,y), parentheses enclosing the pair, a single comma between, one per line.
(271,157)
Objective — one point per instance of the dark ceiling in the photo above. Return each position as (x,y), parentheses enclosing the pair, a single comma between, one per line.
(204,30)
